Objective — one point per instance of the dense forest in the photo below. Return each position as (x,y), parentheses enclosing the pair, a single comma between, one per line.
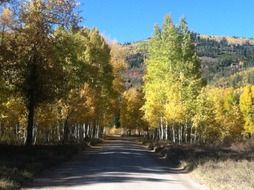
(59,81)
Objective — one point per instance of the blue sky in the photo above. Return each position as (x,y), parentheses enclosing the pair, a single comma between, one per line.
(132,20)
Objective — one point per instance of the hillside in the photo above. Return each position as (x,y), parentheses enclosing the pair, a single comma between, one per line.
(221,58)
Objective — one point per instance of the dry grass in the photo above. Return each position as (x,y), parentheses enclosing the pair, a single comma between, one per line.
(7,184)
(220,168)
(231,171)
(226,175)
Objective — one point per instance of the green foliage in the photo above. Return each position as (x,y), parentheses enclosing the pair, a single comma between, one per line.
(172,78)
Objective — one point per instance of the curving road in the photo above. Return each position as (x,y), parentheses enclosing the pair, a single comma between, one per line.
(117,164)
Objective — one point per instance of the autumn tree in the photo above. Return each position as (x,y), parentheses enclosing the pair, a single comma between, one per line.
(119,66)
(12,120)
(218,118)
(131,113)
(247,108)
(86,57)
(172,80)
(205,127)
(29,61)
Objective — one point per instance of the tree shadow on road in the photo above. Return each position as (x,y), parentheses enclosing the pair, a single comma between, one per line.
(117,161)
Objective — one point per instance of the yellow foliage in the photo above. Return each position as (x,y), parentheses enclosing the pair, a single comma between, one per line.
(247,107)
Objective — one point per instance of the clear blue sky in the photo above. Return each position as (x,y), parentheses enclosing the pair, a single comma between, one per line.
(132,20)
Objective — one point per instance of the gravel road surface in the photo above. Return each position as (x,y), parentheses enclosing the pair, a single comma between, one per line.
(116,164)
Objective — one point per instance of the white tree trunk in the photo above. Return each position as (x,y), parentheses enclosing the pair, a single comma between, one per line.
(166,131)
(161,129)
(174,134)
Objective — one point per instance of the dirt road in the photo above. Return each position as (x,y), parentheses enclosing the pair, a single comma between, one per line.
(117,164)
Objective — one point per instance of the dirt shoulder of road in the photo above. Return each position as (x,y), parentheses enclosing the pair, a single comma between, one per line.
(19,164)
(219,168)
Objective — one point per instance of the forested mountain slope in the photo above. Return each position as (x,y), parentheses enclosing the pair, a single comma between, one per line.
(226,61)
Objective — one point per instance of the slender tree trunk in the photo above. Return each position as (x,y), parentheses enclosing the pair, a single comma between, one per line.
(195,136)
(35,134)
(158,133)
(30,123)
(191,133)
(66,131)
(94,130)
(89,130)
(0,130)
(173,134)
(76,132)
(187,133)
(161,129)
(47,137)
(16,132)
(58,132)
(166,131)
(81,132)
(84,130)
(2,36)
(184,133)
(103,131)
(179,134)
(30,97)
(98,131)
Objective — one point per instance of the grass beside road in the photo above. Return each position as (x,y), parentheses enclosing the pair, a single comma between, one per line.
(19,164)
(219,168)
(226,175)
(232,168)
